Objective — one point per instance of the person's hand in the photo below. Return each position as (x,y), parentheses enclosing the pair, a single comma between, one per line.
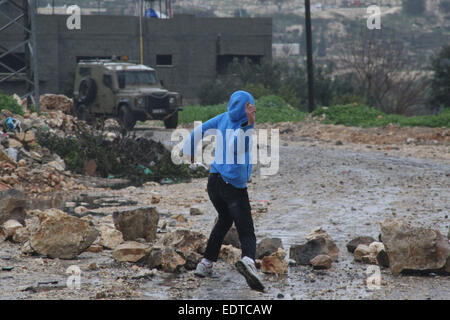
(250,110)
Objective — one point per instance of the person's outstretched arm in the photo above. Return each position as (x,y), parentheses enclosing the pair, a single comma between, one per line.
(196,135)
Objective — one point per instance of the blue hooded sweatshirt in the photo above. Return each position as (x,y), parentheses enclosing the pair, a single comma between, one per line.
(232,158)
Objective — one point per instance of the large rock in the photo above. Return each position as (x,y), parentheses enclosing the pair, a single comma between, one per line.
(137,223)
(12,205)
(351,246)
(267,246)
(414,248)
(230,254)
(319,242)
(109,238)
(275,263)
(322,261)
(61,235)
(131,251)
(165,258)
(184,241)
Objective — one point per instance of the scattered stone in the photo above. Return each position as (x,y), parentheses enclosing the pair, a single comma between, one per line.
(322,261)
(414,248)
(93,266)
(195,211)
(130,251)
(267,246)
(21,235)
(192,259)
(165,259)
(109,238)
(29,137)
(80,210)
(360,252)
(13,143)
(230,254)
(95,248)
(351,246)
(156,198)
(61,235)
(319,242)
(9,228)
(232,237)
(180,218)
(184,241)
(383,259)
(275,263)
(27,249)
(137,223)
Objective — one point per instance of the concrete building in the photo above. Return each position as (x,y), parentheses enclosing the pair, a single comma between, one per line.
(186,51)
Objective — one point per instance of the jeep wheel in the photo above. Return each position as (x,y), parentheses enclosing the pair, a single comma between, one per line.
(172,122)
(87,90)
(126,118)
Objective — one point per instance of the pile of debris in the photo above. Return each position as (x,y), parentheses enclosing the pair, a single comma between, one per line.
(41,152)
(27,165)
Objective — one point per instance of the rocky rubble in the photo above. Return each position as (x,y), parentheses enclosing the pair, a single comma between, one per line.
(275,263)
(137,223)
(318,243)
(412,248)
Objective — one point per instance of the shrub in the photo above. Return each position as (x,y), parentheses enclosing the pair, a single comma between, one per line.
(258,90)
(9,103)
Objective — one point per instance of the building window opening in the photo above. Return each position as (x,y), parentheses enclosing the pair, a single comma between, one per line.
(164,60)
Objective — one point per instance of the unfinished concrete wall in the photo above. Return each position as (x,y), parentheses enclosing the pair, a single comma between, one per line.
(192,43)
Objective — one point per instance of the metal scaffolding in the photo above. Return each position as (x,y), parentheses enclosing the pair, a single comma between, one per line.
(21,14)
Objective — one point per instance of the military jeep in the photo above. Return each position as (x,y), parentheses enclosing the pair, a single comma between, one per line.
(126,91)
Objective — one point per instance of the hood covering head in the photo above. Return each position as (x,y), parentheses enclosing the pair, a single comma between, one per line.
(236,105)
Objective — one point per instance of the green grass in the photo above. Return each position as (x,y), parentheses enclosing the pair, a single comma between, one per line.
(269,109)
(8,103)
(364,116)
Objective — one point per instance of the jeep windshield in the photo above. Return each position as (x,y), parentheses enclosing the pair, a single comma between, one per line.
(136,78)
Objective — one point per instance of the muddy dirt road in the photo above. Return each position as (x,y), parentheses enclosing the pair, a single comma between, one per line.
(345,189)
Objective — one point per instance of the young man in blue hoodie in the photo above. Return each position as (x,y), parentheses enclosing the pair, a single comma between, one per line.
(227,183)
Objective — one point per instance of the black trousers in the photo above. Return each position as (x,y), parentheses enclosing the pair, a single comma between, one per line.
(232,205)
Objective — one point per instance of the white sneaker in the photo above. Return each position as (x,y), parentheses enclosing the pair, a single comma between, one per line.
(203,270)
(248,270)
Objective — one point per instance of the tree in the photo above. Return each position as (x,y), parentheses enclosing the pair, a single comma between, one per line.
(440,83)
(381,63)
(413,7)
